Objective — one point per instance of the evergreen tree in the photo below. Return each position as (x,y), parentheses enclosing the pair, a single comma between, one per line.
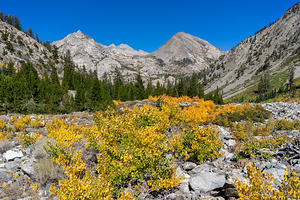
(30,33)
(158,89)
(8,19)
(193,85)
(217,97)
(79,99)
(169,89)
(16,23)
(264,83)
(1,16)
(37,38)
(180,88)
(117,85)
(53,76)
(149,89)
(200,91)
(68,82)
(291,78)
(140,87)
(94,95)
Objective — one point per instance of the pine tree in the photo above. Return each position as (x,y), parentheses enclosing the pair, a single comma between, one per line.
(180,88)
(1,16)
(264,83)
(217,97)
(291,78)
(30,33)
(79,99)
(16,23)
(8,19)
(158,89)
(140,87)
(68,78)
(169,88)
(94,95)
(53,76)
(149,89)
(37,38)
(200,91)
(193,84)
(117,85)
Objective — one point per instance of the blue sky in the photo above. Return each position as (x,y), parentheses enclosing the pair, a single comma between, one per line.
(147,24)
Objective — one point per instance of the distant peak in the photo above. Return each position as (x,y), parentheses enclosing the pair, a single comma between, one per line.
(181,33)
(112,45)
(124,46)
(79,34)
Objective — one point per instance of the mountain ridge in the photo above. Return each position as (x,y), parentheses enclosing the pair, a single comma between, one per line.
(182,55)
(107,59)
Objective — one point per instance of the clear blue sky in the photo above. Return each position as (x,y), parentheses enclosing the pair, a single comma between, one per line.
(147,24)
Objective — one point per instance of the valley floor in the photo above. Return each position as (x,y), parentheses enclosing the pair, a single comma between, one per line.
(161,148)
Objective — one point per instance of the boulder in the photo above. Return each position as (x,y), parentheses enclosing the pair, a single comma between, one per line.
(184,183)
(205,182)
(27,168)
(188,166)
(12,154)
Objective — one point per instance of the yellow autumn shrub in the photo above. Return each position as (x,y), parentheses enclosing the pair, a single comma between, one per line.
(20,123)
(80,183)
(2,125)
(251,139)
(2,132)
(198,144)
(136,147)
(282,124)
(37,123)
(260,186)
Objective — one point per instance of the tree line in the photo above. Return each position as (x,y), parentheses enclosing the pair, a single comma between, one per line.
(24,91)
(266,92)
(15,21)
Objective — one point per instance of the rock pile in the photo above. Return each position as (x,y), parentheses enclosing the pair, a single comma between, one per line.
(284,110)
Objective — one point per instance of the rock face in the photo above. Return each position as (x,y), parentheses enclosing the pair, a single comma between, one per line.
(183,54)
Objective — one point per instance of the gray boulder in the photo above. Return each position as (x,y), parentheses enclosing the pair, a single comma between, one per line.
(205,182)
(12,154)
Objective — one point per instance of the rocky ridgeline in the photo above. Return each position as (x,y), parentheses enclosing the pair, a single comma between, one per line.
(212,180)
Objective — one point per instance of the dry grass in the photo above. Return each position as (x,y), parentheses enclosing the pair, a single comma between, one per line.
(39,152)
(48,171)
(5,145)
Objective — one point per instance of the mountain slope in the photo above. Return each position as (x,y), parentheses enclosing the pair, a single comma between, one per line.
(16,46)
(268,49)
